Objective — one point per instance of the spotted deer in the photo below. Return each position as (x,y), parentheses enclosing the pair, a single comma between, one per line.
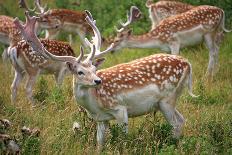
(57,20)
(163,9)
(125,90)
(186,29)
(26,61)
(9,34)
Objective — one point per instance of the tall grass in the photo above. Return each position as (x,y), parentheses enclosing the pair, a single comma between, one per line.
(208,127)
(207,130)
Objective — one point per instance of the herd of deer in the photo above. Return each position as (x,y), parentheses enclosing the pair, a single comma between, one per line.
(126,90)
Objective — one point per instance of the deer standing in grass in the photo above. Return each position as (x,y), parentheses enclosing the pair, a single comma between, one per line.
(186,29)
(57,20)
(125,90)
(163,9)
(25,61)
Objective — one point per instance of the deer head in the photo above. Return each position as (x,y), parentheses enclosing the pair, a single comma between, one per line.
(83,70)
(46,21)
(132,16)
(124,32)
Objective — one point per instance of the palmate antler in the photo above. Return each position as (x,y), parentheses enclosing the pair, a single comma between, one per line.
(96,39)
(132,16)
(42,10)
(28,33)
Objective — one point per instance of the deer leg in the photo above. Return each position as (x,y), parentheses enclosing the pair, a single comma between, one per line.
(173,117)
(14,87)
(121,116)
(70,40)
(4,55)
(60,76)
(213,54)
(175,48)
(29,87)
(101,128)
(217,41)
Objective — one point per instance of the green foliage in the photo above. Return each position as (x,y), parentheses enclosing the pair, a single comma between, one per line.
(57,97)
(31,145)
(43,92)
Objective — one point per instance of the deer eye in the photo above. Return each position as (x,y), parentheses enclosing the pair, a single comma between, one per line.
(80,73)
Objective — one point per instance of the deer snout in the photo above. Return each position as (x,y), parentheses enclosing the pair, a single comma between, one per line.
(97,82)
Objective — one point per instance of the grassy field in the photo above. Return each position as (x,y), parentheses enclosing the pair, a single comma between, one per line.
(208,127)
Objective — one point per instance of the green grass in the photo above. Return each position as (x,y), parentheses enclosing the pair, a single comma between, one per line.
(208,129)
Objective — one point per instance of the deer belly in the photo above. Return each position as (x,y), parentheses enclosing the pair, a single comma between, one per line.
(190,37)
(71,28)
(4,38)
(141,101)
(53,68)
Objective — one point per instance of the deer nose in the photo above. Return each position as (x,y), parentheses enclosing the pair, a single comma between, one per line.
(97,82)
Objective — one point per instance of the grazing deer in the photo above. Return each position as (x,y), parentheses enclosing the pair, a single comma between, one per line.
(25,60)
(186,29)
(56,20)
(163,9)
(9,34)
(125,90)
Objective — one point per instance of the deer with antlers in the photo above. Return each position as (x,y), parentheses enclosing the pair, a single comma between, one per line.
(57,20)
(26,61)
(186,29)
(163,9)
(125,90)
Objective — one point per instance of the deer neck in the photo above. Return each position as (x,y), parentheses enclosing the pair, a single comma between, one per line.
(145,41)
(86,97)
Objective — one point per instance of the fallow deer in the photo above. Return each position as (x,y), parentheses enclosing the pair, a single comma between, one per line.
(56,20)
(176,32)
(125,90)
(163,9)
(25,60)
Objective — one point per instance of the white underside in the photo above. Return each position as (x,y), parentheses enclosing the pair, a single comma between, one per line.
(138,102)
(72,28)
(150,44)
(141,101)
(190,37)
(4,39)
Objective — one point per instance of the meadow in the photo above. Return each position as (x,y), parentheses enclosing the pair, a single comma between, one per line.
(208,127)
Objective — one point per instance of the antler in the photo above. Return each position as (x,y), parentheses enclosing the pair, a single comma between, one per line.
(41,9)
(96,39)
(132,16)
(22,4)
(29,34)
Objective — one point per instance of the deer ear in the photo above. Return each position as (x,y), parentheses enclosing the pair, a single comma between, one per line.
(98,62)
(70,66)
